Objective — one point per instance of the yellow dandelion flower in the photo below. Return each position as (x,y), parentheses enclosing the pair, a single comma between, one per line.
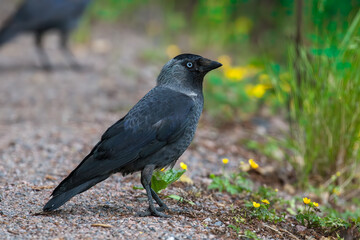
(183,166)
(259,90)
(265,201)
(225,60)
(225,160)
(172,51)
(236,73)
(256,205)
(163,169)
(253,164)
(255,91)
(306,200)
(315,204)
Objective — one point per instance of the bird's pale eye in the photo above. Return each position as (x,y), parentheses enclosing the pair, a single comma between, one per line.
(189,64)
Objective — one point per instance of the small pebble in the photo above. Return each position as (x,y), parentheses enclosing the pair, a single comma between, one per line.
(218,223)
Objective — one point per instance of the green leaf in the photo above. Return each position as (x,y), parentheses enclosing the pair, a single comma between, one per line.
(176,197)
(160,180)
(173,175)
(180,199)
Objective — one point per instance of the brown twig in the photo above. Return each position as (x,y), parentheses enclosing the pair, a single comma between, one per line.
(290,234)
(275,230)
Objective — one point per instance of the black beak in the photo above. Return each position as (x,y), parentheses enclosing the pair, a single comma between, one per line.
(206,65)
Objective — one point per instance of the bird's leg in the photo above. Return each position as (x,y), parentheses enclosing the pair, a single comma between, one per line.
(162,205)
(64,38)
(146,175)
(44,59)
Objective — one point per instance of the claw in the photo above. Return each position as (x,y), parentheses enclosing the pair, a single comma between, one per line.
(154,213)
(163,208)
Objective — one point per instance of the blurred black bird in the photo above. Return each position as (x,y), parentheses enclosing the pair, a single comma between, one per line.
(153,135)
(40,16)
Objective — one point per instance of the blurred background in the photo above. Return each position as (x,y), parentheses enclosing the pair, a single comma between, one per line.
(287,94)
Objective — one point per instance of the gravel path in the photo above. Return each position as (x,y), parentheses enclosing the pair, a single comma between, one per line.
(50,121)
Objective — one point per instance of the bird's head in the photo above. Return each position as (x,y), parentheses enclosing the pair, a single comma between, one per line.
(186,70)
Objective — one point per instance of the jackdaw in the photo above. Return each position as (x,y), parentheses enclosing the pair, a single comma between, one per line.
(153,135)
(39,16)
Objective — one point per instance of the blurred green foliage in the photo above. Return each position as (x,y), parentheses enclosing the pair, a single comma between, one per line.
(111,10)
(240,27)
(249,34)
(234,93)
(323,103)
(234,184)
(230,26)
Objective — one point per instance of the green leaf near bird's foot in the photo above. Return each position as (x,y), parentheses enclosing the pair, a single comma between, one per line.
(162,179)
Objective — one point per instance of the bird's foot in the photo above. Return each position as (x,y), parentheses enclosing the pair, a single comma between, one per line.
(156,213)
(163,208)
(179,210)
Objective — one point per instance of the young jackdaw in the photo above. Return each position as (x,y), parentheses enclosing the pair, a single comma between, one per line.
(40,16)
(153,135)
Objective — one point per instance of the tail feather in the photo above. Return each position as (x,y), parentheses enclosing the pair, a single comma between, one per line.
(60,198)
